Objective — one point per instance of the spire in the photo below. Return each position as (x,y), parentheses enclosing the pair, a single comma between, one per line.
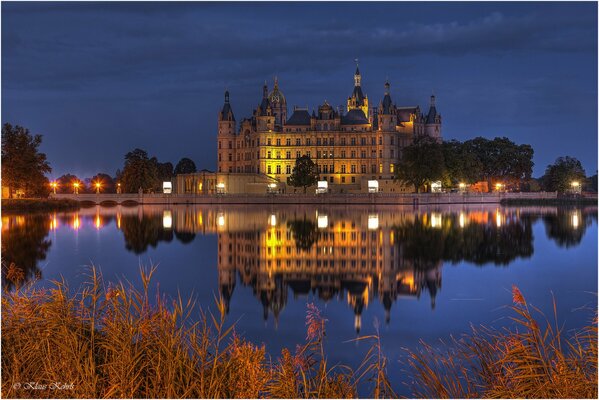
(264,91)
(433,99)
(357,76)
(226,97)
(387,86)
(432,112)
(226,113)
(276,83)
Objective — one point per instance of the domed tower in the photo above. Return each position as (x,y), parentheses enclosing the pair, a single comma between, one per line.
(278,104)
(432,123)
(226,137)
(387,113)
(357,100)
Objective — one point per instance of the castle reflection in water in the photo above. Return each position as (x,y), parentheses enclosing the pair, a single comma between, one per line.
(357,255)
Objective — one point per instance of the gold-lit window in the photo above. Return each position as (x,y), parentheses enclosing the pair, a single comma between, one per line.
(380,168)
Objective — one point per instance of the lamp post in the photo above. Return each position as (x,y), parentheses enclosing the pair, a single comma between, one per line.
(575,187)
(54,184)
(98,187)
(76,186)
(118,188)
(498,186)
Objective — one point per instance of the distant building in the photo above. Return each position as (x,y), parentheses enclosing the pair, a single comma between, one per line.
(349,146)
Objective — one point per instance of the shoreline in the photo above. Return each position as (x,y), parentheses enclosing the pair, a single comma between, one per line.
(32,205)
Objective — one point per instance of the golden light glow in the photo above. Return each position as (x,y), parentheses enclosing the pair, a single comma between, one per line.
(575,220)
(462,220)
(76,222)
(498,186)
(167,219)
(373,222)
(498,218)
(272,220)
(98,222)
(575,184)
(323,221)
(436,220)
(220,220)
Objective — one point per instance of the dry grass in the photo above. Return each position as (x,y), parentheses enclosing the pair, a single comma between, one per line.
(530,362)
(116,342)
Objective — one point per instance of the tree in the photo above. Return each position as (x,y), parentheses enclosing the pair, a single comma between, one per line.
(560,175)
(107,184)
(66,184)
(304,174)
(185,166)
(23,166)
(139,172)
(421,163)
(502,160)
(461,166)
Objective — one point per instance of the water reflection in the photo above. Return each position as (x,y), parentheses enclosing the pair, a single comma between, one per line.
(356,255)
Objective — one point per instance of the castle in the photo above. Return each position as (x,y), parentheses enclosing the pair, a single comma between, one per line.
(349,146)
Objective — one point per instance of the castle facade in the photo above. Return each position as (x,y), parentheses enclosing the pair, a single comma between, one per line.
(349,146)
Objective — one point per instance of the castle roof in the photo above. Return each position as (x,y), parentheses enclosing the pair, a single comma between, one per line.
(403,113)
(354,117)
(299,117)
(357,93)
(226,108)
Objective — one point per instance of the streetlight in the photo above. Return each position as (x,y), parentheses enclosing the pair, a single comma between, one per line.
(118,188)
(76,185)
(575,186)
(54,184)
(498,186)
(98,184)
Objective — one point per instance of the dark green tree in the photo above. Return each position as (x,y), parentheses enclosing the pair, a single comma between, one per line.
(460,164)
(66,184)
(560,175)
(591,184)
(421,163)
(139,172)
(185,166)
(304,174)
(107,183)
(23,165)
(502,160)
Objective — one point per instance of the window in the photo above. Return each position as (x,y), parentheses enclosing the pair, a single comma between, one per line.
(392,140)
(342,141)
(331,179)
(353,169)
(353,141)
(392,153)
(279,169)
(278,154)
(288,154)
(308,154)
(332,141)
(318,141)
(325,169)
(380,168)
(363,154)
(343,168)
(380,153)
(325,141)
(318,154)
(373,154)
(230,144)
(288,169)
(308,141)
(268,154)
(220,145)
(363,168)
(258,155)
(380,140)
(230,157)
(373,168)
(353,179)
(298,154)
(342,153)
(268,171)
(298,142)
(363,141)
(278,142)
(268,141)
(288,142)
(353,154)
(343,179)
(392,168)
(219,157)
(373,141)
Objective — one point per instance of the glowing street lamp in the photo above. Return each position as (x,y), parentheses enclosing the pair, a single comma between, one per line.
(498,186)
(98,184)
(118,188)
(76,186)
(54,185)
(575,186)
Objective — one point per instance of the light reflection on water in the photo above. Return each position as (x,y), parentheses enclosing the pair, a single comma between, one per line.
(427,273)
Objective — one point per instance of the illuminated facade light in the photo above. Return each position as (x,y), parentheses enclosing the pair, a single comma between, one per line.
(462,220)
(373,186)
(498,219)
(322,187)
(167,187)
(220,188)
(272,220)
(436,187)
(220,220)
(98,185)
(76,187)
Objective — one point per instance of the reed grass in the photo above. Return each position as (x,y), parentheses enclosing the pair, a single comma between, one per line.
(528,362)
(116,341)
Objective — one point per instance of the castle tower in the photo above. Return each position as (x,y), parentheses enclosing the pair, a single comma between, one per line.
(387,113)
(265,120)
(278,104)
(357,100)
(432,123)
(226,137)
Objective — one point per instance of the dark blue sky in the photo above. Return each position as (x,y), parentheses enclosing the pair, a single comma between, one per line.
(99,79)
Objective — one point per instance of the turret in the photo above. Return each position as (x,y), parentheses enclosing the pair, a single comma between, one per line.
(358,100)
(387,113)
(278,104)
(432,122)
(265,119)
(226,137)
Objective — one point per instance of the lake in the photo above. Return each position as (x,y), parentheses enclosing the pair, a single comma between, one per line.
(412,273)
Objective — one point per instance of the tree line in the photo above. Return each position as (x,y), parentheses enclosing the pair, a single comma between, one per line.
(499,160)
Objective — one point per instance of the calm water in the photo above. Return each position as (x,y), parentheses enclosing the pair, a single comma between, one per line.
(417,274)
